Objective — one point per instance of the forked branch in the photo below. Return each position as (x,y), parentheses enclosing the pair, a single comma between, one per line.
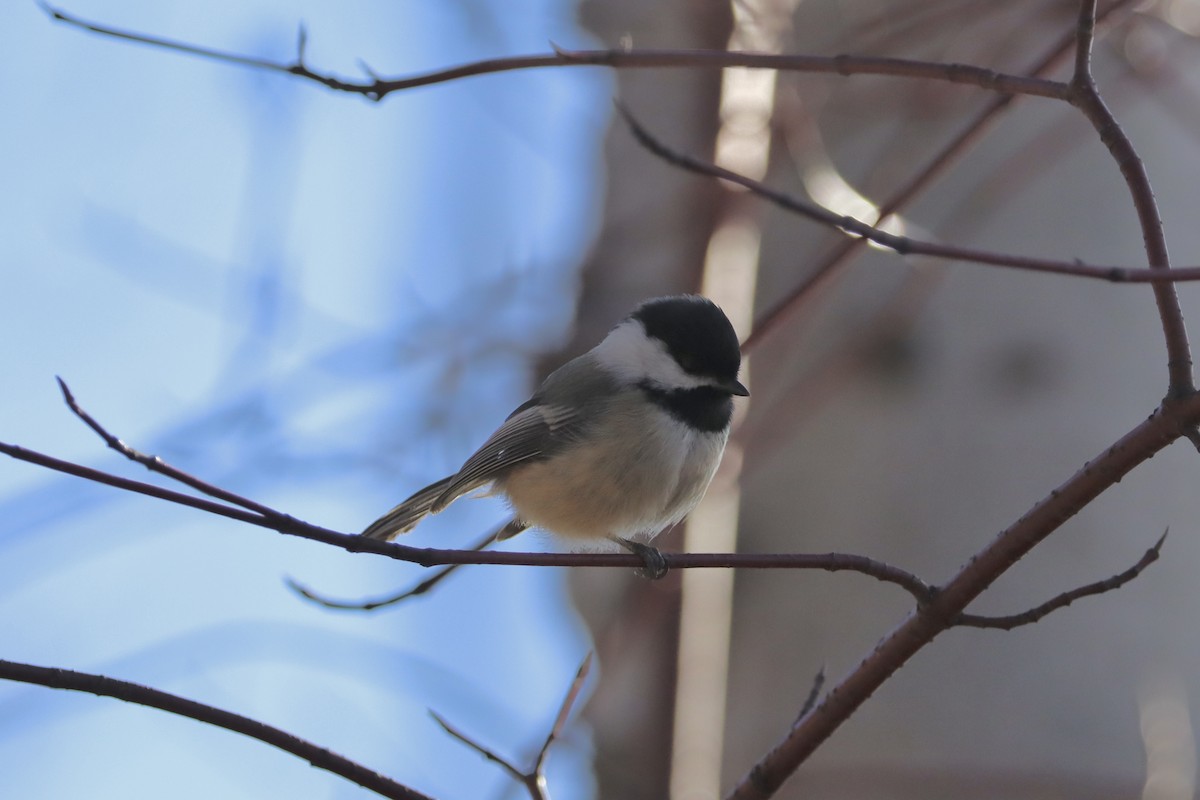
(533,778)
(1011,621)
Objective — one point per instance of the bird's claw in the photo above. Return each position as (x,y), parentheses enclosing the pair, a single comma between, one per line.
(654,563)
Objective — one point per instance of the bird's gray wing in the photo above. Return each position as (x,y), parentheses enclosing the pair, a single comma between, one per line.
(405,516)
(536,429)
(532,432)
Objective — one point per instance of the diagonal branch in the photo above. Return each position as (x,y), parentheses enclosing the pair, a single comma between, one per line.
(1007,623)
(929,620)
(900,244)
(490,755)
(377,88)
(155,698)
(564,712)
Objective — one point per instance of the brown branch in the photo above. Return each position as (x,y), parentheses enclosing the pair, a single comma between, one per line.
(564,711)
(238,509)
(392,599)
(1086,98)
(156,464)
(1007,623)
(974,131)
(900,244)
(377,88)
(490,755)
(533,779)
(155,698)
(950,600)
(814,693)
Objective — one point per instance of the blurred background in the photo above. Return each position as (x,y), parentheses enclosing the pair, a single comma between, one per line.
(323,303)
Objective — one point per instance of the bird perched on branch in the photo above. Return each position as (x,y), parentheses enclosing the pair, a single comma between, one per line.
(618,444)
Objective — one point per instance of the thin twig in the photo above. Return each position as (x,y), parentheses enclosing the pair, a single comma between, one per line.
(155,698)
(490,755)
(156,464)
(564,711)
(1007,623)
(378,88)
(533,779)
(393,599)
(901,244)
(813,694)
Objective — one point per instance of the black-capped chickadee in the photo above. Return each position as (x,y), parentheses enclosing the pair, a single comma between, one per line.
(619,443)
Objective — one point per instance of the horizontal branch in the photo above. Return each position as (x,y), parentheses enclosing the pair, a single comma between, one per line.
(376,88)
(164,701)
(902,245)
(428,556)
(239,508)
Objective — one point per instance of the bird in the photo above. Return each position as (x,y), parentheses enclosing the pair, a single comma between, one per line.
(618,444)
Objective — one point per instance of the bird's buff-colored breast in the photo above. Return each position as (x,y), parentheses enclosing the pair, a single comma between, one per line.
(618,485)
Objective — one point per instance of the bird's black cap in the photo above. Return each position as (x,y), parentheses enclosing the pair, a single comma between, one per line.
(697,334)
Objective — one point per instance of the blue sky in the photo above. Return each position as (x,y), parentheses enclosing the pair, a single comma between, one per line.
(308,298)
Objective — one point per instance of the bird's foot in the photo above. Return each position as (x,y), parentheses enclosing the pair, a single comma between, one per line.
(654,563)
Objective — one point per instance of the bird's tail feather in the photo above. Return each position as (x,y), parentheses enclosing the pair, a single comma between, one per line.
(405,516)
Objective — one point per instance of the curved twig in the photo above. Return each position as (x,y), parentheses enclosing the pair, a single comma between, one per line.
(1007,623)
(392,599)
(1086,98)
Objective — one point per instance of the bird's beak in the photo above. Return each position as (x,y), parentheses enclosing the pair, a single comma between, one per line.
(736,387)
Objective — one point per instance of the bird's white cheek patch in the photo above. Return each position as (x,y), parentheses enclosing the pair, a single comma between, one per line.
(629,353)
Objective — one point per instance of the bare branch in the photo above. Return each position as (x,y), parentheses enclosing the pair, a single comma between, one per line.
(378,88)
(930,619)
(1007,623)
(490,755)
(1192,433)
(955,149)
(533,779)
(813,693)
(154,698)
(901,244)
(391,600)
(1086,98)
(564,712)
(427,557)
(156,464)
